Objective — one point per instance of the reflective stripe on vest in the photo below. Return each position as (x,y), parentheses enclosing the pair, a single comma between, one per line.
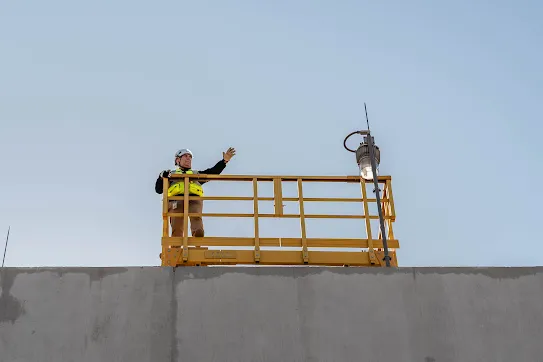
(178,188)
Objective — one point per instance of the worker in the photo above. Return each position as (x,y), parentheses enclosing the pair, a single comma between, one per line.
(183,161)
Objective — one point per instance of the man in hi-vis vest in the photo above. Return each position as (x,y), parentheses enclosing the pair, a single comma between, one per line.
(183,161)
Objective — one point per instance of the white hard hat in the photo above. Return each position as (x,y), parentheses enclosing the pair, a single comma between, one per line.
(182,152)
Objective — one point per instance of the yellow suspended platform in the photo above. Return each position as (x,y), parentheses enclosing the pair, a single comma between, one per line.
(201,251)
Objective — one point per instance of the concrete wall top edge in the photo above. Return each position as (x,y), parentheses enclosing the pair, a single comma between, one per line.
(98,273)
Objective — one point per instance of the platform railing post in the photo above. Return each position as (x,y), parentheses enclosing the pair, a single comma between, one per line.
(186,219)
(165,218)
(305,253)
(255,211)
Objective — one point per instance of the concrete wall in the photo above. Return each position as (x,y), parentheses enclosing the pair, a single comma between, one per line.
(271,314)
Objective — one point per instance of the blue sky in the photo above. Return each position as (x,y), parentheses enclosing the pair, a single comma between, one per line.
(96,97)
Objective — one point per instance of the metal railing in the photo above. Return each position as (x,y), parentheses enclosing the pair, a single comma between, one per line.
(190,251)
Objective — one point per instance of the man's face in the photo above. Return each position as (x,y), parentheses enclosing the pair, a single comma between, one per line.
(185,161)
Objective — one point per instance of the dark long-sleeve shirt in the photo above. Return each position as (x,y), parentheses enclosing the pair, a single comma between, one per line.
(215,170)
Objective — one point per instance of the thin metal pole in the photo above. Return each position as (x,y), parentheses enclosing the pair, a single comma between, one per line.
(377,191)
(6,247)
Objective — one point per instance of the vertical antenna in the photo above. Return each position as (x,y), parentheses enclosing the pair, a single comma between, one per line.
(6,247)
(367,120)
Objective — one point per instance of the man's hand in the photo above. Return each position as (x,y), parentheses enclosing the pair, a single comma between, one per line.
(165,173)
(231,152)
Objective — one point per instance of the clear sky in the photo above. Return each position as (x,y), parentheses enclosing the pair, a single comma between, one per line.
(96,97)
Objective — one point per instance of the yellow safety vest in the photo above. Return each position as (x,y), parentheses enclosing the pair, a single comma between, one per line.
(178,188)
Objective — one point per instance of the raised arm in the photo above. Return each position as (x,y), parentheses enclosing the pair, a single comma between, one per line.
(221,165)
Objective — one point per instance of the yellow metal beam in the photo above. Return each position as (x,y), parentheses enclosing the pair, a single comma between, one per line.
(219,198)
(290,199)
(165,221)
(255,211)
(347,179)
(209,257)
(391,202)
(185,221)
(278,197)
(214,241)
(305,253)
(289,216)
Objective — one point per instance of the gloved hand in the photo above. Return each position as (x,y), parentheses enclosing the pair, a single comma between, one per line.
(165,173)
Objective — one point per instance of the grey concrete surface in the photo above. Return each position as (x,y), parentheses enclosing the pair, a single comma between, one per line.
(271,314)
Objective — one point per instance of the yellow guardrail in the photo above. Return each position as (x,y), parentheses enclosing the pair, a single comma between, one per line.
(190,251)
